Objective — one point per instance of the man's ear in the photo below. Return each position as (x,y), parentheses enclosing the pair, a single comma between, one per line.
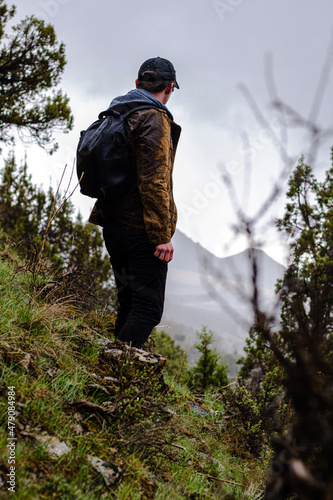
(136,83)
(168,89)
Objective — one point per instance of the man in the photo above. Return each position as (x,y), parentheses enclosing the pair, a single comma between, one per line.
(138,226)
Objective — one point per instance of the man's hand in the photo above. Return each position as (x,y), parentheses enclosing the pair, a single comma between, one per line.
(164,251)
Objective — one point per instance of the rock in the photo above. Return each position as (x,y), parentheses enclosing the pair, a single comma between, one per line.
(54,446)
(114,353)
(198,410)
(78,429)
(25,362)
(121,349)
(170,412)
(217,413)
(111,473)
(209,458)
(103,341)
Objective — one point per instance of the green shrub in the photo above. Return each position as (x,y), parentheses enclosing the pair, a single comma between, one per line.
(174,354)
(209,372)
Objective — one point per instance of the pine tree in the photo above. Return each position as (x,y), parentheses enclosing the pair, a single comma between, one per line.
(22,204)
(175,355)
(301,347)
(71,245)
(87,249)
(31,64)
(209,371)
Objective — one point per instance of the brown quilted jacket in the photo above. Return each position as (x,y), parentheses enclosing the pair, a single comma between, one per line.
(150,204)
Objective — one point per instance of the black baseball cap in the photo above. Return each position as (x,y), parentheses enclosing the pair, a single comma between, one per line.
(161,67)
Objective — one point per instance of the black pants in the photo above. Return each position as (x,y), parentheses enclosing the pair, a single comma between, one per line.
(140,279)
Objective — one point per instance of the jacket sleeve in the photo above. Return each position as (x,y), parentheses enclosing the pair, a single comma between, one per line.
(153,163)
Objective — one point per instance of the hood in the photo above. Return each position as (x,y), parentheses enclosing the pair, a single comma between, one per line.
(139,96)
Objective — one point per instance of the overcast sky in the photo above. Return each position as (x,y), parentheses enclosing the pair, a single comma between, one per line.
(214,46)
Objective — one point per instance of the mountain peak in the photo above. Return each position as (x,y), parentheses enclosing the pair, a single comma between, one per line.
(203,289)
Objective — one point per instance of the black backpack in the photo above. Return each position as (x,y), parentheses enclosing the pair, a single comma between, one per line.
(104,160)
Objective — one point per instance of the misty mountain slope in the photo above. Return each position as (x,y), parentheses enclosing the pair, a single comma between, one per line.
(203,289)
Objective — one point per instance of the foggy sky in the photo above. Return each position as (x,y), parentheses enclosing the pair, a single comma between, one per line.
(214,46)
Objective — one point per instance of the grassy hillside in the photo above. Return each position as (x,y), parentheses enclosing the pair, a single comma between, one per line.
(81,422)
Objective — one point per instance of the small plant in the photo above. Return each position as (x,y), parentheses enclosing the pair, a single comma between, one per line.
(176,357)
(210,372)
(256,409)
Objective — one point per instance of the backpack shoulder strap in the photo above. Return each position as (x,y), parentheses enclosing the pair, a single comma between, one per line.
(125,110)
